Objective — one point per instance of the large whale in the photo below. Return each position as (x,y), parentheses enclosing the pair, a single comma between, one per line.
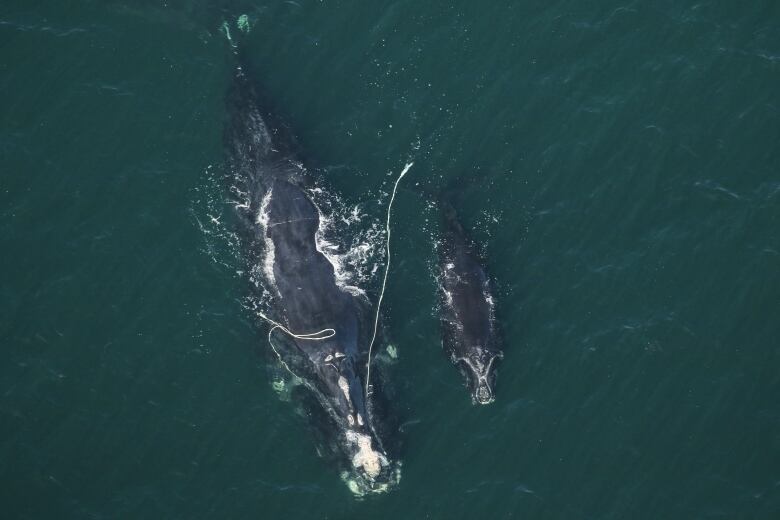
(467,313)
(318,329)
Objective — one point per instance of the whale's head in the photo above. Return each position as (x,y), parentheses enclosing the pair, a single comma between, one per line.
(480,370)
(368,468)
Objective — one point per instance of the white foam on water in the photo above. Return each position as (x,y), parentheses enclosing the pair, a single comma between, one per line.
(269,254)
(487,294)
(244,24)
(222,194)
(353,247)
(360,488)
(208,208)
(330,250)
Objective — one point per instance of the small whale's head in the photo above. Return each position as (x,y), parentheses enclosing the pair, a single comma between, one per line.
(484,394)
(480,371)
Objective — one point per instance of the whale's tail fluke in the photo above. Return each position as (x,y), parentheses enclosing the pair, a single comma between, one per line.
(235,29)
(259,142)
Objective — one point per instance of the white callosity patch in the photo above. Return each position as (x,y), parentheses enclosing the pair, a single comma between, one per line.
(344,385)
(477,361)
(476,365)
(479,368)
(366,459)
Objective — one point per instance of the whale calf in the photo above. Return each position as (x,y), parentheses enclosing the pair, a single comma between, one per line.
(319,329)
(467,313)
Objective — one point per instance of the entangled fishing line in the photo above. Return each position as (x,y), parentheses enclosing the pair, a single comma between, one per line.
(384,281)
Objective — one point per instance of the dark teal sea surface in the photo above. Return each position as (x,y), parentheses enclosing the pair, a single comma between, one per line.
(617,162)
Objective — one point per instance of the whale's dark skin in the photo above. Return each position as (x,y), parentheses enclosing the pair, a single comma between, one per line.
(469,333)
(304,295)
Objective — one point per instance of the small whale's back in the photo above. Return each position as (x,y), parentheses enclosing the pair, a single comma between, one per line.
(467,299)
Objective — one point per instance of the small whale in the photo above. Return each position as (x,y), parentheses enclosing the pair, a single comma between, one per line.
(468,323)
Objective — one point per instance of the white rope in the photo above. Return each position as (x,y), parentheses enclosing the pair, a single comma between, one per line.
(312,336)
(320,335)
(384,281)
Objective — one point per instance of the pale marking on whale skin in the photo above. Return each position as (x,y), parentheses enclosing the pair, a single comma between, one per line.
(367,458)
(481,371)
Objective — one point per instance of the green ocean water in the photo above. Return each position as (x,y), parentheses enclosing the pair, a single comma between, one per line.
(616,161)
